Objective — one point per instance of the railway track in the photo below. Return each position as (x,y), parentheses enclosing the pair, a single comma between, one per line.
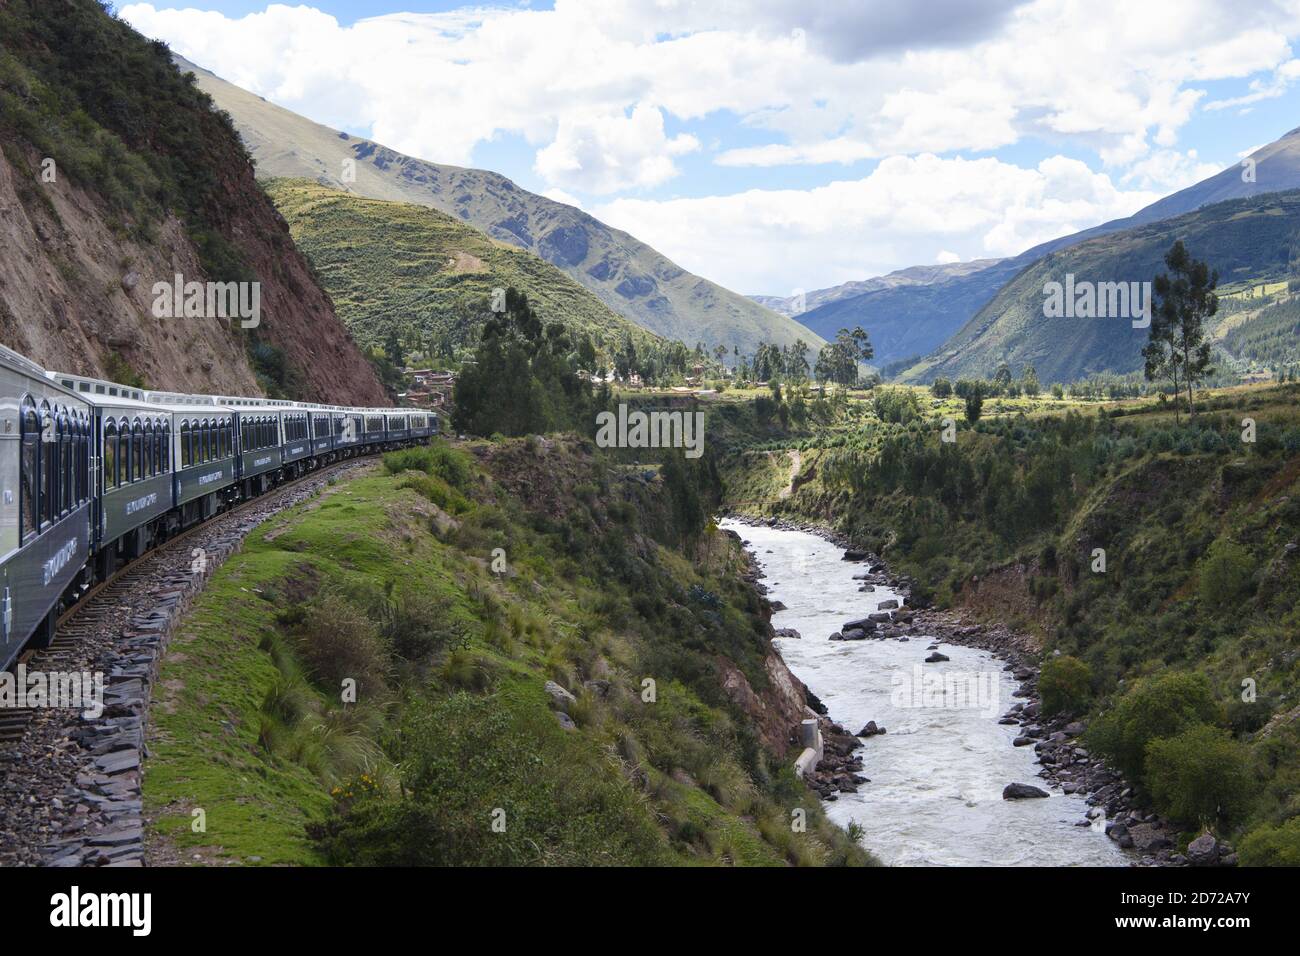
(69,783)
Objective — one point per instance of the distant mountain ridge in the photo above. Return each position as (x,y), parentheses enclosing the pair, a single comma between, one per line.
(626,274)
(1248,239)
(916,318)
(792,305)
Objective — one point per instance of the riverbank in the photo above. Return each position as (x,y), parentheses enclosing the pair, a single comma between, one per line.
(1061,761)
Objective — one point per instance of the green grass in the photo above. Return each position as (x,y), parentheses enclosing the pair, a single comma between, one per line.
(446,730)
(402,268)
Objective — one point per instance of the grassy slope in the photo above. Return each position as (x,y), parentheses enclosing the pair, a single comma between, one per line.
(1160,499)
(245,728)
(388,265)
(626,274)
(1245,239)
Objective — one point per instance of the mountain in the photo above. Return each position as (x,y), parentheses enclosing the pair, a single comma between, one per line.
(1244,239)
(623,272)
(796,306)
(401,268)
(906,320)
(116,174)
(912,318)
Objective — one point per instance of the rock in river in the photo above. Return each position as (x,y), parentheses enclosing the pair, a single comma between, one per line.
(1021,791)
(936,657)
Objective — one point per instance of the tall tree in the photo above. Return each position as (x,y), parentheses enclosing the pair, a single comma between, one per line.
(1185,298)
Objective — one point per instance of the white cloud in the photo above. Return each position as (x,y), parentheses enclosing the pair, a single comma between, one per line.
(945,257)
(559,195)
(775,240)
(612,153)
(593,86)
(832,83)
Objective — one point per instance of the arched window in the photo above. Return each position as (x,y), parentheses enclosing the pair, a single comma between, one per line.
(123,451)
(49,466)
(137,451)
(30,490)
(110,454)
(65,462)
(185,443)
(83,461)
(227,438)
(166,446)
(150,450)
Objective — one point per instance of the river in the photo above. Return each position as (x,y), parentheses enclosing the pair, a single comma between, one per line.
(935,796)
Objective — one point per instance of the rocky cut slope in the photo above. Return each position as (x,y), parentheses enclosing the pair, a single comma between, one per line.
(116,174)
(626,274)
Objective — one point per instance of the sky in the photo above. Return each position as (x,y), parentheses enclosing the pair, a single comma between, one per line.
(777,146)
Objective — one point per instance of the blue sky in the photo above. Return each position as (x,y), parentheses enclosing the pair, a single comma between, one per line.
(956,129)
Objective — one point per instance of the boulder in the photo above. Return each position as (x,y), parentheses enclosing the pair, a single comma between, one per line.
(936,657)
(854,634)
(852,554)
(560,698)
(565,720)
(887,605)
(1021,791)
(870,730)
(776,606)
(1203,851)
(789,632)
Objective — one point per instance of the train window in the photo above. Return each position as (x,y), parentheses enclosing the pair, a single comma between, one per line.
(137,451)
(110,454)
(205,441)
(65,463)
(29,492)
(123,451)
(165,451)
(82,459)
(150,452)
(49,467)
(185,443)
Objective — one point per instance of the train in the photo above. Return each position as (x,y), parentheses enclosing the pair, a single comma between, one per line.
(94,474)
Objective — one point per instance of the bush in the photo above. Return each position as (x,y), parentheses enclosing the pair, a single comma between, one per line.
(336,640)
(1155,707)
(1065,684)
(1199,775)
(438,459)
(1226,574)
(1272,845)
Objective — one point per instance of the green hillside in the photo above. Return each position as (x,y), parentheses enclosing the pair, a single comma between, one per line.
(1244,239)
(629,276)
(400,268)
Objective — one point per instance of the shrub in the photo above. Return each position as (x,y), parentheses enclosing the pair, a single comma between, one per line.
(1272,845)
(1065,684)
(1155,707)
(1199,775)
(438,459)
(337,640)
(1226,574)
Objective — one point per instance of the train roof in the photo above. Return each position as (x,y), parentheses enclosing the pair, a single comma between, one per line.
(99,391)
